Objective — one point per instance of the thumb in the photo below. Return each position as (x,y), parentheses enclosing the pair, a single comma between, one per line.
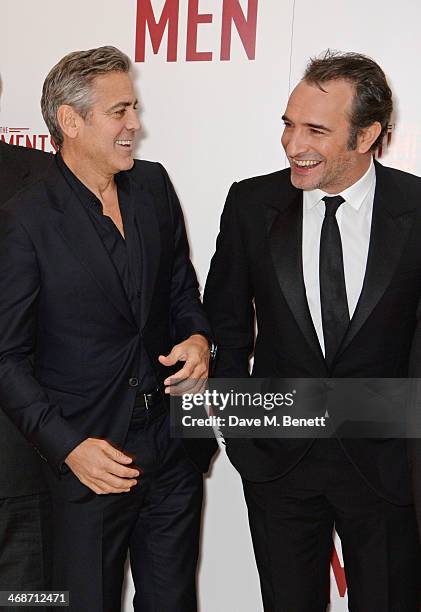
(170,359)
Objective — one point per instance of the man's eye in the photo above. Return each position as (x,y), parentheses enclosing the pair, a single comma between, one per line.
(120,112)
(314,131)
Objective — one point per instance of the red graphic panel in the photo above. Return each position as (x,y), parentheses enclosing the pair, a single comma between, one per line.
(339,573)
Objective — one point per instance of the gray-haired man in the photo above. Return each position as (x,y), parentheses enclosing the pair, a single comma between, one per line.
(99,304)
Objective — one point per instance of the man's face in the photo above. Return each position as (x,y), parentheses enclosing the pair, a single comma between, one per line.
(106,136)
(316,135)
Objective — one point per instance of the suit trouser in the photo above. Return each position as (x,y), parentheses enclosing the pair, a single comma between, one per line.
(158,522)
(292,519)
(25,543)
(415,463)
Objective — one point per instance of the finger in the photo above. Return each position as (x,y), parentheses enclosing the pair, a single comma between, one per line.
(190,385)
(100,488)
(109,466)
(180,387)
(115,454)
(185,380)
(200,372)
(171,359)
(123,472)
(106,490)
(185,372)
(198,387)
(115,482)
(110,483)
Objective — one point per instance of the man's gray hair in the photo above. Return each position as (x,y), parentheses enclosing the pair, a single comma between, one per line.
(70,82)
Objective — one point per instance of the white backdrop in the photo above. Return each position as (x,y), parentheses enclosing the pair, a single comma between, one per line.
(210,123)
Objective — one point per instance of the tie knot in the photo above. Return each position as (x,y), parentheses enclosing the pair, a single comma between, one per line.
(332,204)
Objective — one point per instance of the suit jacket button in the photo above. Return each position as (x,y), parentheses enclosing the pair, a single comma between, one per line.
(133,382)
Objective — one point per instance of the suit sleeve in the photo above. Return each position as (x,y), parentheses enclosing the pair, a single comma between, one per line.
(187,313)
(228,297)
(21,396)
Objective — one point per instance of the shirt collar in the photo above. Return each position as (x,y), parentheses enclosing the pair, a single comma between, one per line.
(85,195)
(353,195)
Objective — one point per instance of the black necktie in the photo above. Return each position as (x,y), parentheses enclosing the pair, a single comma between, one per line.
(334,303)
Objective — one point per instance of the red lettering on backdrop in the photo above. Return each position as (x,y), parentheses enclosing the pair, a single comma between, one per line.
(246,28)
(193,20)
(43,138)
(232,13)
(36,141)
(338,572)
(169,17)
(30,144)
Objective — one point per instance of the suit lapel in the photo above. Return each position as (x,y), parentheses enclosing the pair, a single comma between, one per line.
(77,230)
(391,222)
(147,223)
(284,225)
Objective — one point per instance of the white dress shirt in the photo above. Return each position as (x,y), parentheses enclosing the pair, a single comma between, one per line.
(354,221)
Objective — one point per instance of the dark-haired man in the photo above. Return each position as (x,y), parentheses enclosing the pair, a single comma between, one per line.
(329,253)
(99,305)
(24,503)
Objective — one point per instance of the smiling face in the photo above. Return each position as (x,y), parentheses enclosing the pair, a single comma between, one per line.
(316,136)
(105,138)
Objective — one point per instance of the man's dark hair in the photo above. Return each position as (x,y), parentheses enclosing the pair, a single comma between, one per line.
(373,96)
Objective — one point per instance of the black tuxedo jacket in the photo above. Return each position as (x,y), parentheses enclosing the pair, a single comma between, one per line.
(69,342)
(20,470)
(259,258)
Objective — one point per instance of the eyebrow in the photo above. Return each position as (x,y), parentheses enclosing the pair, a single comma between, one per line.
(122,105)
(316,126)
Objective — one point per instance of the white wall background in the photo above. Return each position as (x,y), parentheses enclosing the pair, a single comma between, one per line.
(211,123)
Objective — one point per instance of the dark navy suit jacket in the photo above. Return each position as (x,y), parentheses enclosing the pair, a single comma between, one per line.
(20,470)
(69,342)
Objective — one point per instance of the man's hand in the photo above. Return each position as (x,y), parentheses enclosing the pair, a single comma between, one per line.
(193,375)
(101,467)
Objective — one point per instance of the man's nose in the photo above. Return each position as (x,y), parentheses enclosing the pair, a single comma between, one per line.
(132,122)
(294,142)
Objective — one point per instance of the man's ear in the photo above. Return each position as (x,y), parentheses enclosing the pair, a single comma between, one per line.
(368,136)
(69,120)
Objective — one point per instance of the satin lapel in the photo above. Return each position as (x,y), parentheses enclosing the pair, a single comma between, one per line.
(391,222)
(147,223)
(81,237)
(285,239)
